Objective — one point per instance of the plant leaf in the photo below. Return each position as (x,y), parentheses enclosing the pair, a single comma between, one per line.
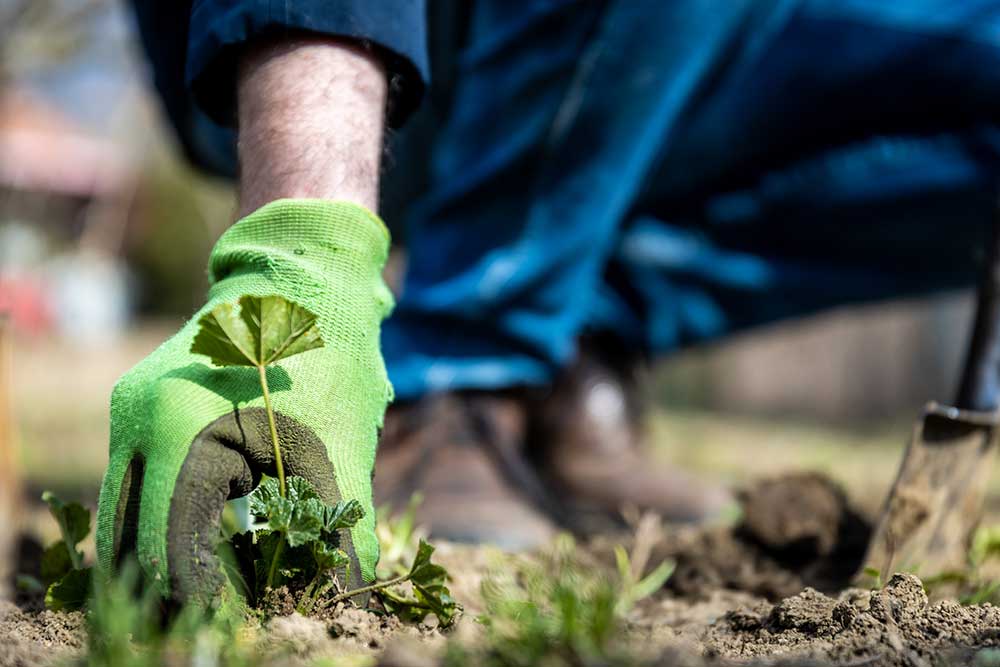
(307,522)
(257,332)
(73,517)
(328,557)
(304,523)
(624,565)
(300,516)
(70,592)
(298,488)
(282,328)
(56,562)
(438,599)
(260,498)
(223,337)
(428,581)
(653,581)
(423,570)
(342,515)
(985,545)
(74,524)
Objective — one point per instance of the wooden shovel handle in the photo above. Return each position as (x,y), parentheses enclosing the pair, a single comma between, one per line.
(980,385)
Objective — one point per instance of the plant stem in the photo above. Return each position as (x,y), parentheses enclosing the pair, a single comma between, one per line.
(74,555)
(377,586)
(274,430)
(274,563)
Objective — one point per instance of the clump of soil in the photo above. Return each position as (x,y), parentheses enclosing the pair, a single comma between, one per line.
(892,626)
(797,530)
(29,639)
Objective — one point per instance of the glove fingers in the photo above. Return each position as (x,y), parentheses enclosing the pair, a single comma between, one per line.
(118,511)
(225,461)
(211,473)
(127,510)
(303,454)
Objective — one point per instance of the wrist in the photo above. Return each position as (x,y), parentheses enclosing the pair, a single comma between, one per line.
(310,115)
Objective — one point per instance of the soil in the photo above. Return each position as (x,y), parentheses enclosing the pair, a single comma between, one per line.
(797,530)
(29,638)
(773,590)
(893,626)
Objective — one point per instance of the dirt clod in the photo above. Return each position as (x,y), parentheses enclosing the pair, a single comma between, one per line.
(891,626)
(801,512)
(797,530)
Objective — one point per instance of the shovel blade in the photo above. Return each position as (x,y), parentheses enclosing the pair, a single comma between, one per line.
(936,502)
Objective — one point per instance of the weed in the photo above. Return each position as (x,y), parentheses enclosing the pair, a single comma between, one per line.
(298,539)
(126,628)
(295,542)
(399,537)
(875,576)
(553,611)
(430,595)
(295,539)
(65,580)
(258,333)
(633,586)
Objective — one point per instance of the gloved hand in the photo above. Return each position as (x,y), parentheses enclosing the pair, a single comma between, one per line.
(186,435)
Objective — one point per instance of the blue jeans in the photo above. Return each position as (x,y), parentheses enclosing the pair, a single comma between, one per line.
(672,172)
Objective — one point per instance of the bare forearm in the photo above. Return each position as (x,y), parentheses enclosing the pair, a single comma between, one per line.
(311,113)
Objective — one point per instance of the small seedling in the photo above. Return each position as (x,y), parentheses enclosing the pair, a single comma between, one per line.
(430,595)
(399,536)
(296,542)
(972,584)
(62,569)
(258,333)
(635,588)
(553,608)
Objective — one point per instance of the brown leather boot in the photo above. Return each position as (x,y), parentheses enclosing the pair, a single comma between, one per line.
(586,442)
(463,452)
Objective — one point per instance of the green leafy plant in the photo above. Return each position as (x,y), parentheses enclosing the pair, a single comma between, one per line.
(258,332)
(429,592)
(63,573)
(875,576)
(295,540)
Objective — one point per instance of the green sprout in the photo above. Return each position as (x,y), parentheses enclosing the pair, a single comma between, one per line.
(258,333)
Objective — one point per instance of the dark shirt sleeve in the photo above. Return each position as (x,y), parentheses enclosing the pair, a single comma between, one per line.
(193,47)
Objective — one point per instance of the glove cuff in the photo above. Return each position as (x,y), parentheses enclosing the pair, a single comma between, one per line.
(310,233)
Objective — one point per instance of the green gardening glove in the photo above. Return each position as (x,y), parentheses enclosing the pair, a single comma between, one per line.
(186,435)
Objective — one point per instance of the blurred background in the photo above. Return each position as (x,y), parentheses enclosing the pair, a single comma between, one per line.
(104,234)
